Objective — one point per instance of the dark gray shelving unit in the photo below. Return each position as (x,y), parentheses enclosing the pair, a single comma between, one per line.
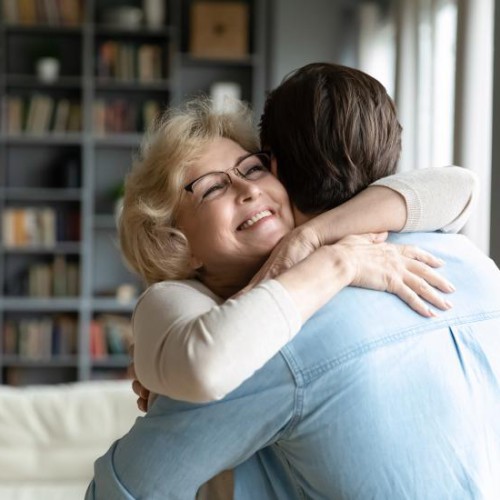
(76,171)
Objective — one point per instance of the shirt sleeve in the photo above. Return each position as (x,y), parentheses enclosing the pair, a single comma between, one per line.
(191,346)
(436,198)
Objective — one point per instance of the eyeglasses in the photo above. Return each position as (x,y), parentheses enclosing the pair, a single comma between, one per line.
(212,185)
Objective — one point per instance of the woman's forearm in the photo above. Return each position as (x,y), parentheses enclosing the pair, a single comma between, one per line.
(316,279)
(376,209)
(420,200)
(436,198)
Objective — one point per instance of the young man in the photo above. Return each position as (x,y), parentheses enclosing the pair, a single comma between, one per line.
(355,406)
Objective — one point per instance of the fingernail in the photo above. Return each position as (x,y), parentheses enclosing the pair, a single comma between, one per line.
(432,313)
(441,262)
(451,287)
(448,304)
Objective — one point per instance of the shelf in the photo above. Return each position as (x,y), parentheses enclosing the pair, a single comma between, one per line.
(62,248)
(53,362)
(50,139)
(43,29)
(31,81)
(13,304)
(131,85)
(41,194)
(112,361)
(119,140)
(112,305)
(104,30)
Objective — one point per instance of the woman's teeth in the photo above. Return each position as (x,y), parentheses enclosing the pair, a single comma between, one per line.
(255,218)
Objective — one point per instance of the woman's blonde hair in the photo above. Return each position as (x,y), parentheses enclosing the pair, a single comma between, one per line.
(150,242)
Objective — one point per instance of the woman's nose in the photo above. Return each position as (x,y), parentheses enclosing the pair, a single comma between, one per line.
(245,189)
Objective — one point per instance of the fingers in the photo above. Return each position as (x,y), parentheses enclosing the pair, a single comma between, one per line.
(136,387)
(139,389)
(430,276)
(424,290)
(142,404)
(406,294)
(379,237)
(143,393)
(419,285)
(368,238)
(416,253)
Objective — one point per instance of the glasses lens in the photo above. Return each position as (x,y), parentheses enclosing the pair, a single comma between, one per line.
(211,186)
(254,167)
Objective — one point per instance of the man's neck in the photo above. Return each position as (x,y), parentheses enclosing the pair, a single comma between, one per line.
(300,217)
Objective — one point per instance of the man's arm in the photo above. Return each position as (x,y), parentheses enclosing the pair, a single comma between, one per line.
(178,446)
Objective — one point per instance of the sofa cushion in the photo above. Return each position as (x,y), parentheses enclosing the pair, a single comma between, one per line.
(56,432)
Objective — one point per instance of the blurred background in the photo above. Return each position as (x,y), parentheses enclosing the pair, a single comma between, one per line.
(81,80)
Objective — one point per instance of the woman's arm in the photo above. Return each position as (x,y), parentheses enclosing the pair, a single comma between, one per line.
(191,346)
(434,199)
(420,200)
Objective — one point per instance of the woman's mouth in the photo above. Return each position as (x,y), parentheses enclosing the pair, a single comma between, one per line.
(254,219)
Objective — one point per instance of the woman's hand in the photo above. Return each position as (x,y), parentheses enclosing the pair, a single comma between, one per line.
(137,387)
(142,393)
(293,248)
(404,270)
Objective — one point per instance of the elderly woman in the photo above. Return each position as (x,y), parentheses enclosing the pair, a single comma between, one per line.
(202,213)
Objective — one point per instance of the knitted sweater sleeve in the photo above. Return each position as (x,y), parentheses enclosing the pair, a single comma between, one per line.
(436,198)
(192,346)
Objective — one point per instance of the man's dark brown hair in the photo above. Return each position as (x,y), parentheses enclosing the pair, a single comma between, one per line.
(333,130)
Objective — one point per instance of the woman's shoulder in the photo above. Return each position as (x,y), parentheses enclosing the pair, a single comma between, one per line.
(176,291)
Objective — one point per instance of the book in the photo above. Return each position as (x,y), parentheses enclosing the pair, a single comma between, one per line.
(61,117)
(15,107)
(98,347)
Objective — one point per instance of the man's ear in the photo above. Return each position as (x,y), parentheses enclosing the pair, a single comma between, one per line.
(274,166)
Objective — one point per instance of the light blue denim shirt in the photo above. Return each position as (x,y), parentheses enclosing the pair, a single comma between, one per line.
(369,401)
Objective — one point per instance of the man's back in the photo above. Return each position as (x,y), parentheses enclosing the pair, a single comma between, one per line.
(369,401)
(393,405)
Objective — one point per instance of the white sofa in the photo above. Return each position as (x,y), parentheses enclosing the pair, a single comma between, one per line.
(51,435)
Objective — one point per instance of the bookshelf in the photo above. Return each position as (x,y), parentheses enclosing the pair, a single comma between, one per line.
(67,140)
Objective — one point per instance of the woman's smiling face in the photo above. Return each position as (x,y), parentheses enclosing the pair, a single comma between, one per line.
(233,231)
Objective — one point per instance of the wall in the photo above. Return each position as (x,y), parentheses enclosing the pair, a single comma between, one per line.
(312,31)
(495,174)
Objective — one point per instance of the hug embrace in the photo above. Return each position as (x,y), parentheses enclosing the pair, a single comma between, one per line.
(294,349)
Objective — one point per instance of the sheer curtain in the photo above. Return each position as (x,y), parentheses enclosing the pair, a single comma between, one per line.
(441,52)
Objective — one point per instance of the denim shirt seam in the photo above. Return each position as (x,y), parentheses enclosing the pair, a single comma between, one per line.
(309,375)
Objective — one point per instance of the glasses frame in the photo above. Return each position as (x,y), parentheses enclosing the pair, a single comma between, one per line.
(267,154)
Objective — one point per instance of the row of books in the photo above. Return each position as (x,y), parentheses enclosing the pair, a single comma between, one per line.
(51,12)
(39,226)
(127,61)
(59,278)
(41,114)
(40,338)
(110,335)
(121,116)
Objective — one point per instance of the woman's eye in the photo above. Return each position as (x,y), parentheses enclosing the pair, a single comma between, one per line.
(255,169)
(213,190)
